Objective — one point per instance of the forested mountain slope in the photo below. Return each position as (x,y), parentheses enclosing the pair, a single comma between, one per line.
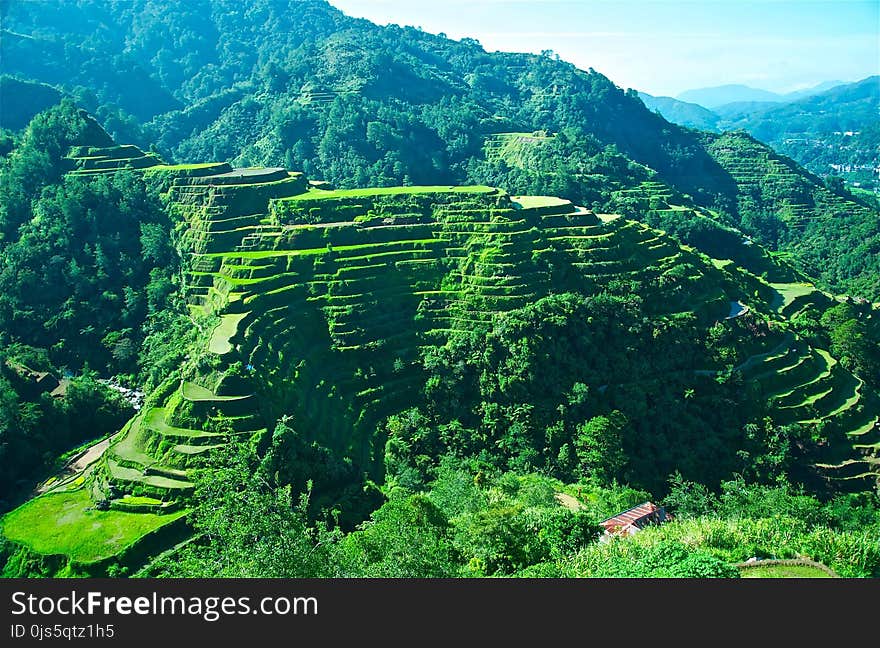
(848,107)
(432,99)
(832,132)
(684,113)
(295,83)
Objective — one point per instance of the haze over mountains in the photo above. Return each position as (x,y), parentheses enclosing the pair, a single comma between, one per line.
(828,130)
(717,96)
(720,108)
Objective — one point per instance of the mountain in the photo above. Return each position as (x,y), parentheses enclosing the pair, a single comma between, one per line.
(829,130)
(680,112)
(719,98)
(22,100)
(361,336)
(356,104)
(275,100)
(742,109)
(692,111)
(831,133)
(814,90)
(849,107)
(73,67)
(379,303)
(724,94)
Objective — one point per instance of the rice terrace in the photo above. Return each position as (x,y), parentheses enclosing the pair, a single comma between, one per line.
(434,312)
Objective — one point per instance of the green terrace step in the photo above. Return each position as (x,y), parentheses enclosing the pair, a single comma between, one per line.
(755,361)
(848,469)
(840,402)
(388,257)
(779,362)
(825,366)
(135,477)
(220,342)
(129,449)
(252,284)
(196,393)
(154,420)
(846,387)
(239,177)
(165,471)
(873,425)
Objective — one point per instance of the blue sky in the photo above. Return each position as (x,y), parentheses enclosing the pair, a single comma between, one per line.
(665,46)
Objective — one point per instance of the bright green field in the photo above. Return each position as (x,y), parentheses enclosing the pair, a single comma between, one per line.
(270,254)
(790,291)
(228,326)
(194,392)
(783,571)
(59,523)
(155,419)
(389,191)
(533,202)
(139,499)
(184,167)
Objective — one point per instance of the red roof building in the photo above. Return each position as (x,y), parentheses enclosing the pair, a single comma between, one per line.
(635,519)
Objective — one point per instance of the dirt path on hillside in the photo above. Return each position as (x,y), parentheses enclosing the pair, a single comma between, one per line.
(75,467)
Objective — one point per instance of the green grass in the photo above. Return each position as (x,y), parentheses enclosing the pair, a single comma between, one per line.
(512,147)
(507,136)
(136,476)
(155,420)
(191,450)
(62,523)
(788,292)
(129,448)
(186,167)
(534,202)
(783,571)
(721,263)
(268,254)
(140,499)
(224,331)
(389,191)
(194,392)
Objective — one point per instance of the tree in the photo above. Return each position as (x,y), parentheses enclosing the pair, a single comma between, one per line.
(407,537)
(599,447)
(249,527)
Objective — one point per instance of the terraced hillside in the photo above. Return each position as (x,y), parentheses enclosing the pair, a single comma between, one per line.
(89,160)
(324,299)
(510,146)
(807,386)
(315,304)
(832,237)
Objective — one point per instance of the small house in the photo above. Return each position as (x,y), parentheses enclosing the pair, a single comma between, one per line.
(635,519)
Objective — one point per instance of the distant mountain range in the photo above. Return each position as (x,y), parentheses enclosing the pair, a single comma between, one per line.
(688,114)
(736,93)
(710,108)
(828,130)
